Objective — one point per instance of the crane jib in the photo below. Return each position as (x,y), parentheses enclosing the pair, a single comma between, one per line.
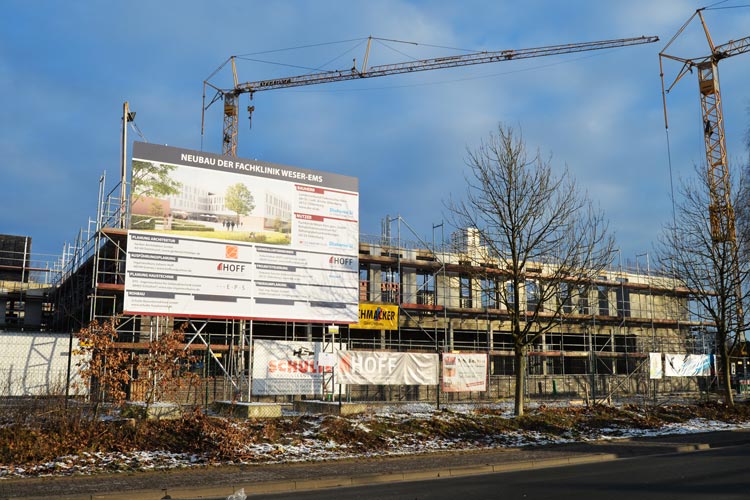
(436,63)
(230,96)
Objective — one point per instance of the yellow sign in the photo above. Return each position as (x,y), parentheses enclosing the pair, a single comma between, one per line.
(377,317)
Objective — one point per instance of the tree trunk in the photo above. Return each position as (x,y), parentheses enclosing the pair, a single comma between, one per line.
(520,380)
(726,368)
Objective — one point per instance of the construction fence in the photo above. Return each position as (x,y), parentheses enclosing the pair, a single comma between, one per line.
(283,371)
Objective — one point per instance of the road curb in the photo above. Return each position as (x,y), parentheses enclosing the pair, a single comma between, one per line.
(289,486)
(267,487)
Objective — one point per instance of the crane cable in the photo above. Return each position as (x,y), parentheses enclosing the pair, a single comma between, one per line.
(306,68)
(301,47)
(671,179)
(360,41)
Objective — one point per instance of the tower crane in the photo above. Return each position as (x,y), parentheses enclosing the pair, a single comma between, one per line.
(720,210)
(231,96)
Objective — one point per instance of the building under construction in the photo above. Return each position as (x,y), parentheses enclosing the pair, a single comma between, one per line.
(445,299)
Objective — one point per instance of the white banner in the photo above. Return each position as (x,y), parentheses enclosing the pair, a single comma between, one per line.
(281,367)
(687,365)
(387,368)
(656,368)
(464,372)
(36,364)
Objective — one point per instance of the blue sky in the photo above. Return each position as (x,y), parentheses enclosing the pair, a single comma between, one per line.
(67,67)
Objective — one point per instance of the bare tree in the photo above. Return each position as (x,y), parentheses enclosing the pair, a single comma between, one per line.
(545,237)
(165,367)
(743,214)
(104,369)
(712,269)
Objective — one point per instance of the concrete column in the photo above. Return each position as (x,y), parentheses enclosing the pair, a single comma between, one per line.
(32,317)
(376,280)
(3,306)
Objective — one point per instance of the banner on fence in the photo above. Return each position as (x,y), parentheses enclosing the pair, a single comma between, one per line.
(464,372)
(288,368)
(387,368)
(687,365)
(656,369)
(36,364)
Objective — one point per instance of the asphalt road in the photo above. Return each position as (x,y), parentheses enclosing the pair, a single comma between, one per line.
(714,474)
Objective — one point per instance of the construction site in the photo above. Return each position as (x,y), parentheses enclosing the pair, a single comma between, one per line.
(600,347)
(447,296)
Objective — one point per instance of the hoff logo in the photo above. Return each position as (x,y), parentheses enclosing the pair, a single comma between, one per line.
(231,268)
(341,261)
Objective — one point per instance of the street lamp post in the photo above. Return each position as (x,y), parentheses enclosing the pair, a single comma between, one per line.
(127,117)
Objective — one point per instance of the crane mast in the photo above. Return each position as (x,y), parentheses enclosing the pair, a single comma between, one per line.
(231,96)
(720,210)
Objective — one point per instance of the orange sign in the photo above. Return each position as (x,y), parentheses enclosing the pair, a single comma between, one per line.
(231,251)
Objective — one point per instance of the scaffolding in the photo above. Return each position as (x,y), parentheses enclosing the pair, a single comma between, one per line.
(26,286)
(602,341)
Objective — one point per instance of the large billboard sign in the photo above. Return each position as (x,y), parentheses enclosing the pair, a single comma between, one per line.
(216,236)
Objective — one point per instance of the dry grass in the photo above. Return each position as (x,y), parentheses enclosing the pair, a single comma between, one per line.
(43,433)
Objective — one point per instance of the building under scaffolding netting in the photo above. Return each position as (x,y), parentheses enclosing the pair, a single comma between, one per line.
(444,302)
